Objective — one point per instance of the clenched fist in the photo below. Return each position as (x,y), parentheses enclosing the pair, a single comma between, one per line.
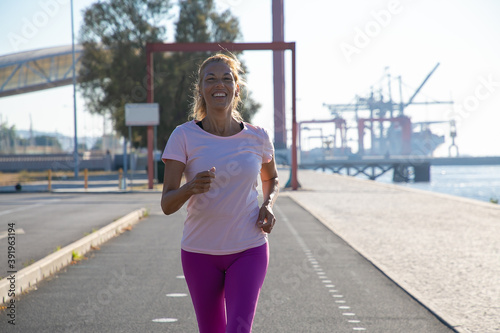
(202,181)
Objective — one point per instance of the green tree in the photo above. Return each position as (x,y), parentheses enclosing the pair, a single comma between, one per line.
(47,141)
(199,22)
(114,35)
(8,137)
(98,144)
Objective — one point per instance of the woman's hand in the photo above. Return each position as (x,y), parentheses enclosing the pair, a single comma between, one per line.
(266,218)
(173,196)
(201,182)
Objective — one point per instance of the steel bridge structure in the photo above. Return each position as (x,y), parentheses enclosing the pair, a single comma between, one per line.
(38,70)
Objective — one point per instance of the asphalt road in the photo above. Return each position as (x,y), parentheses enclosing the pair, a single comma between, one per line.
(44,221)
(315,283)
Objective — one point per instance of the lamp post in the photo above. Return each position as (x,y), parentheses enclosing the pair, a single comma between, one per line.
(75,152)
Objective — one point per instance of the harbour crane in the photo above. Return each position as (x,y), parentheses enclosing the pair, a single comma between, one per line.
(397,138)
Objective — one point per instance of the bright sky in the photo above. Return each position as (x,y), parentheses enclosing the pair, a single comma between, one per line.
(343,48)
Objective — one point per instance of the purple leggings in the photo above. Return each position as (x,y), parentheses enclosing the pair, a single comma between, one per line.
(237,278)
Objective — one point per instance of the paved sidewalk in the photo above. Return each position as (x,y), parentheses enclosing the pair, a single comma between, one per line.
(443,250)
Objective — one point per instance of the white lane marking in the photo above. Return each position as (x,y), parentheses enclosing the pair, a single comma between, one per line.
(180,277)
(294,231)
(165,320)
(177,295)
(316,267)
(23,208)
(354,321)
(13,210)
(4,234)
(344,307)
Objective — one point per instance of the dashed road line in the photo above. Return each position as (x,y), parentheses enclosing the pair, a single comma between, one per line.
(165,320)
(172,295)
(177,295)
(321,274)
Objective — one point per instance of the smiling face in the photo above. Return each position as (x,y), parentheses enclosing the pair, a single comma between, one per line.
(218,86)
(212,69)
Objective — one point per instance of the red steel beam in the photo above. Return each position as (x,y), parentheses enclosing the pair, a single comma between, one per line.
(295,180)
(150,88)
(213,47)
(280,134)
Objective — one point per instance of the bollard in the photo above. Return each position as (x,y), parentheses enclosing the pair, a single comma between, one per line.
(50,180)
(422,172)
(86,178)
(120,176)
(400,173)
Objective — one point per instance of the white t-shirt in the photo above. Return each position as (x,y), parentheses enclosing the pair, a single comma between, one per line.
(222,220)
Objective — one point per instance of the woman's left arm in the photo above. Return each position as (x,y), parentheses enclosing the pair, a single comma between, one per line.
(270,190)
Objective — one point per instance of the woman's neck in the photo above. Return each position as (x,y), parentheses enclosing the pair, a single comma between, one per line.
(220,125)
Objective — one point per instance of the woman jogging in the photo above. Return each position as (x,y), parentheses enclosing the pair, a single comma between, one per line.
(224,249)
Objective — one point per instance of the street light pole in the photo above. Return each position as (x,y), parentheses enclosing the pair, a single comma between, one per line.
(75,153)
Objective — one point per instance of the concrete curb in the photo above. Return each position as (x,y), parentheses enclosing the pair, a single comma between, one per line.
(31,275)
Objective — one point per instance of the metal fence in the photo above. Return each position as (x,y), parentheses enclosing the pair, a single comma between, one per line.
(15,163)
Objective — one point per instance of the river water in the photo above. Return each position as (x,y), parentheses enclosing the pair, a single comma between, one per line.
(476,182)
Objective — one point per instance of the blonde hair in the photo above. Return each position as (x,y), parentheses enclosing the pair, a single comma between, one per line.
(199,106)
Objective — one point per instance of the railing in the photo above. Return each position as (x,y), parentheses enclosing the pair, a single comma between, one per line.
(404,169)
(14,163)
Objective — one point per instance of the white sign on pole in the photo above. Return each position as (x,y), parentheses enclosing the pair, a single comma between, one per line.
(142,114)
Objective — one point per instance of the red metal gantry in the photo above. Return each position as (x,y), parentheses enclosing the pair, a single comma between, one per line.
(152,48)
(340,128)
(406,132)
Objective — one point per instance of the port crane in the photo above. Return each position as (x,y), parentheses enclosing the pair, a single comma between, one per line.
(399,137)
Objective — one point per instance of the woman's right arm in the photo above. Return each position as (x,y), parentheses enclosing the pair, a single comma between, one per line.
(175,196)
